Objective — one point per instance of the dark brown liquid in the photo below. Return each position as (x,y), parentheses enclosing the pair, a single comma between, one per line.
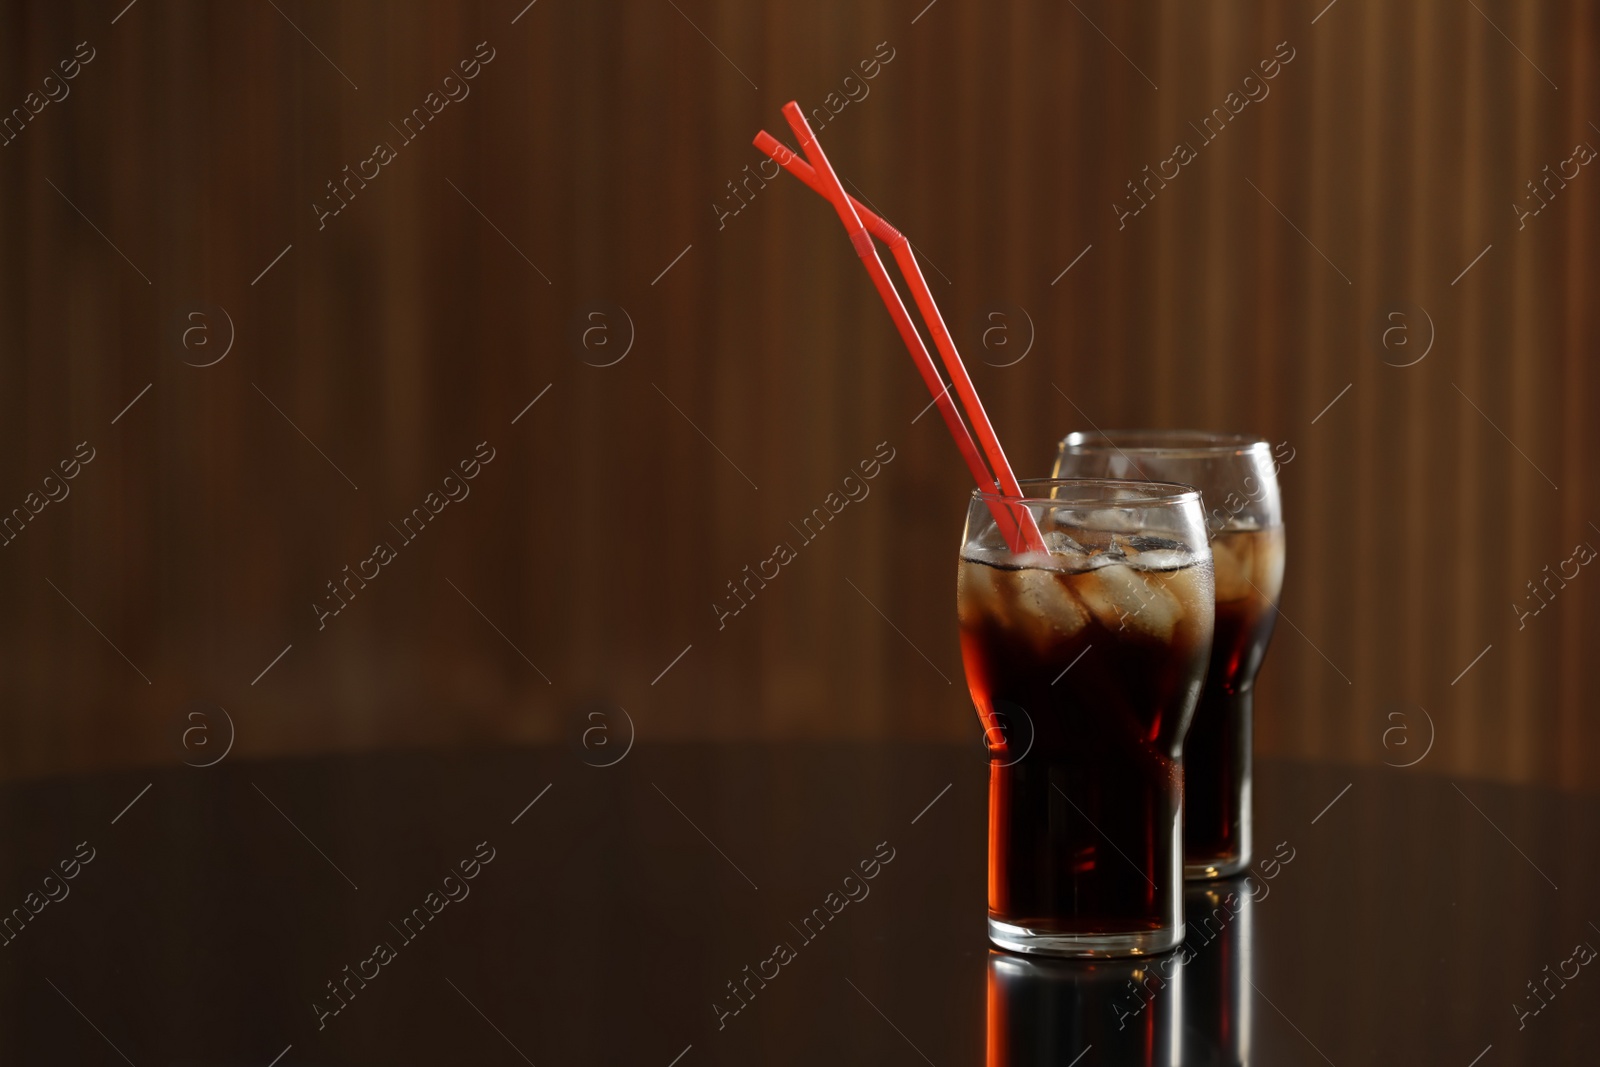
(1086,775)
(1217,751)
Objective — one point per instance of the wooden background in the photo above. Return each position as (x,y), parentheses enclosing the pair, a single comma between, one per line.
(584,171)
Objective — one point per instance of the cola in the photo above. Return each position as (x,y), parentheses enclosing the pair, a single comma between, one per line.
(1217,754)
(1084,666)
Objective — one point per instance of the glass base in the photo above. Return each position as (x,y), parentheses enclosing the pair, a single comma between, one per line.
(1040,943)
(1221,868)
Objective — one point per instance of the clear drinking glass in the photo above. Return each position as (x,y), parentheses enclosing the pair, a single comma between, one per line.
(1237,478)
(1085,664)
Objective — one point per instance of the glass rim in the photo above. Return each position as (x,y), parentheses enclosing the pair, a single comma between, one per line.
(1149,442)
(1145,493)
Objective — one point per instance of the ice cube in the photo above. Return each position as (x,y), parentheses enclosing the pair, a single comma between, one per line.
(977,593)
(1121,598)
(1163,559)
(1269,564)
(1043,608)
(1191,587)
(1148,543)
(1066,554)
(1231,559)
(1061,543)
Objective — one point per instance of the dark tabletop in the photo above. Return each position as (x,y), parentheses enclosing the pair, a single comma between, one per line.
(612,911)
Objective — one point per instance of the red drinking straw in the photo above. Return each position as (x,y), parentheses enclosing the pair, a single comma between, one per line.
(924,363)
(900,245)
(1018,526)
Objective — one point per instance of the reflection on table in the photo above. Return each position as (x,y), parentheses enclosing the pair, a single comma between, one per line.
(1186,1007)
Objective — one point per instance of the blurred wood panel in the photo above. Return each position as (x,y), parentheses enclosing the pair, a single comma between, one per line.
(601,161)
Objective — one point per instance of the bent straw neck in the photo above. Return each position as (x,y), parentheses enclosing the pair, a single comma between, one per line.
(1021,531)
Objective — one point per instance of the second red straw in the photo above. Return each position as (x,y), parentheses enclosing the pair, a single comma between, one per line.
(1016,522)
